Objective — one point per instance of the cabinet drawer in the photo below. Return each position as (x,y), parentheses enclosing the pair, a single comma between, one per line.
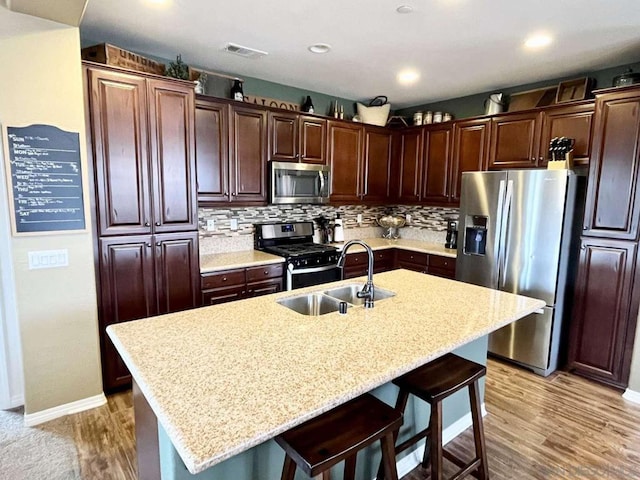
(264,288)
(223,279)
(355,271)
(256,274)
(444,263)
(406,256)
(360,258)
(223,295)
(442,272)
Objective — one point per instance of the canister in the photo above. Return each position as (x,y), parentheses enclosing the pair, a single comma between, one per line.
(417,118)
(437,117)
(446,117)
(427,118)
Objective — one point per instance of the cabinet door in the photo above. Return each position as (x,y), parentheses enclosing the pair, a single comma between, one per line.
(212,151)
(313,140)
(177,271)
(572,122)
(264,288)
(377,165)
(599,330)
(612,197)
(248,159)
(127,292)
(283,137)
(514,141)
(118,122)
(223,295)
(470,151)
(410,165)
(345,158)
(173,164)
(437,165)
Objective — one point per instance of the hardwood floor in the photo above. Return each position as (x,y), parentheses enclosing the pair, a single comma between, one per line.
(560,427)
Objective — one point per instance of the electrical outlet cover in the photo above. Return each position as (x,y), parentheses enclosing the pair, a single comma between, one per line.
(234,224)
(359,218)
(211,225)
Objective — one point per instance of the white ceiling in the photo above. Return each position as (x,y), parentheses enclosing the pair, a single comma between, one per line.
(459,47)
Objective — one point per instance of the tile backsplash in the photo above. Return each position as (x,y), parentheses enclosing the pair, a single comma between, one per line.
(427,223)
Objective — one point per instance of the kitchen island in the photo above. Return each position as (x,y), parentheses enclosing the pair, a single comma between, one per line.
(226,379)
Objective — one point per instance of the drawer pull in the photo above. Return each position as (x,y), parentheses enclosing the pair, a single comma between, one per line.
(266,272)
(224,279)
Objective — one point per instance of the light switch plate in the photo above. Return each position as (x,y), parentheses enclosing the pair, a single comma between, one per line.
(211,225)
(234,224)
(408,217)
(48,259)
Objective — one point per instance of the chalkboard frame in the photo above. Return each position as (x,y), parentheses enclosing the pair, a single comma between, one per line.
(4,130)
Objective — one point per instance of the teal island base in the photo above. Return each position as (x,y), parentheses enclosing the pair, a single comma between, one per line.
(264,462)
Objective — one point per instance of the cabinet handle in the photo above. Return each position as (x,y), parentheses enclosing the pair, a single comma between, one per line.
(157,224)
(585,228)
(541,159)
(233,194)
(147,224)
(148,244)
(224,279)
(266,272)
(226,194)
(583,247)
(157,244)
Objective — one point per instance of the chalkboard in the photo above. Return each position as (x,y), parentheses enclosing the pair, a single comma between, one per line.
(45,179)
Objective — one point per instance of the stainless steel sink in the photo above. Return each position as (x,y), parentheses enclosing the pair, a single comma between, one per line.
(348,293)
(311,304)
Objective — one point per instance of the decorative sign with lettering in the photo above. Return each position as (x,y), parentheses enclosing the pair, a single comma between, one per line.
(271,102)
(45,179)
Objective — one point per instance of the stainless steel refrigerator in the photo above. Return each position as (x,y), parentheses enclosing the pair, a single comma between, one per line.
(518,232)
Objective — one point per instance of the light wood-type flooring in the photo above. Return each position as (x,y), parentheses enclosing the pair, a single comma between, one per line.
(560,427)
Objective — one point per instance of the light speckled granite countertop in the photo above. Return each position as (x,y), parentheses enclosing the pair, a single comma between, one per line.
(413,245)
(225,378)
(225,261)
(251,258)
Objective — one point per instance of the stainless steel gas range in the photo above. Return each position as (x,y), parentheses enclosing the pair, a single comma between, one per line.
(307,263)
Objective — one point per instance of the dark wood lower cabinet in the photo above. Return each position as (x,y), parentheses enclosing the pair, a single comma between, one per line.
(229,285)
(604,316)
(142,276)
(390,259)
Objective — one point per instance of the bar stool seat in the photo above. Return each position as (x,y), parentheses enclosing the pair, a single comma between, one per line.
(433,383)
(322,442)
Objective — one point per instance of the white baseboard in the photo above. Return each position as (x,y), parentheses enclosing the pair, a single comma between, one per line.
(414,458)
(37,418)
(631,396)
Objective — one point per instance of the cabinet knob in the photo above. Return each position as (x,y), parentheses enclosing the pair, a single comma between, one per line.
(233,194)
(533,159)
(148,244)
(583,247)
(585,228)
(226,194)
(157,224)
(157,244)
(266,272)
(147,224)
(541,159)
(224,279)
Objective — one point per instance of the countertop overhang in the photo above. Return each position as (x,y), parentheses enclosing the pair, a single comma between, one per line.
(225,378)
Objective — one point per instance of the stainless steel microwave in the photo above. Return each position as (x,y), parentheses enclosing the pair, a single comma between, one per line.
(299,183)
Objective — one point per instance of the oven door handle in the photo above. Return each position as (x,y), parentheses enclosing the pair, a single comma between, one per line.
(299,271)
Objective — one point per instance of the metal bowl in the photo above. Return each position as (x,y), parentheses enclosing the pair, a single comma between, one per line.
(392,221)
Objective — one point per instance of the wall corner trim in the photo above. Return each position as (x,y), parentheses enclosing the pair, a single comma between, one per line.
(414,457)
(631,396)
(33,419)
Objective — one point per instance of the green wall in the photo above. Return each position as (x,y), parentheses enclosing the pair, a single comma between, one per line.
(473,105)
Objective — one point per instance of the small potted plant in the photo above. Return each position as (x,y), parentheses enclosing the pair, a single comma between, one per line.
(178,69)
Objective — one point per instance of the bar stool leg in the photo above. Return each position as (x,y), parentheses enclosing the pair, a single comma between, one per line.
(478,431)
(389,457)
(401,404)
(289,470)
(350,468)
(436,441)
(326,475)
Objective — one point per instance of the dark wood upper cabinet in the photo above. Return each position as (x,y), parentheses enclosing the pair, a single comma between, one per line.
(470,151)
(436,164)
(212,151)
(176,260)
(612,206)
(313,140)
(377,164)
(118,116)
(515,140)
(573,122)
(603,325)
(171,118)
(283,137)
(345,157)
(248,154)
(410,165)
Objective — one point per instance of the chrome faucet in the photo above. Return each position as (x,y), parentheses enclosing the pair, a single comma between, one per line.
(367,291)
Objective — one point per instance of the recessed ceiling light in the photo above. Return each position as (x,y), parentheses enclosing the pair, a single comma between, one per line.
(320,48)
(539,40)
(408,77)
(404,9)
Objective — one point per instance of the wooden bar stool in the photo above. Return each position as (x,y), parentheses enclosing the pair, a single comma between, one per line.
(320,443)
(433,383)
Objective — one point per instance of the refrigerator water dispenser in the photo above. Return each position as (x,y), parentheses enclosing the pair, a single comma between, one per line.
(475,238)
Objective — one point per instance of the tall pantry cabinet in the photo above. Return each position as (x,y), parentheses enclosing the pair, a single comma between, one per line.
(142,143)
(607,294)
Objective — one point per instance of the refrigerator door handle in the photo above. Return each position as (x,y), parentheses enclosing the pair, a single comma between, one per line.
(499,223)
(503,234)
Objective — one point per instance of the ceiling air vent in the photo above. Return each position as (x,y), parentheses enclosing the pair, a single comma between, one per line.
(244,51)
